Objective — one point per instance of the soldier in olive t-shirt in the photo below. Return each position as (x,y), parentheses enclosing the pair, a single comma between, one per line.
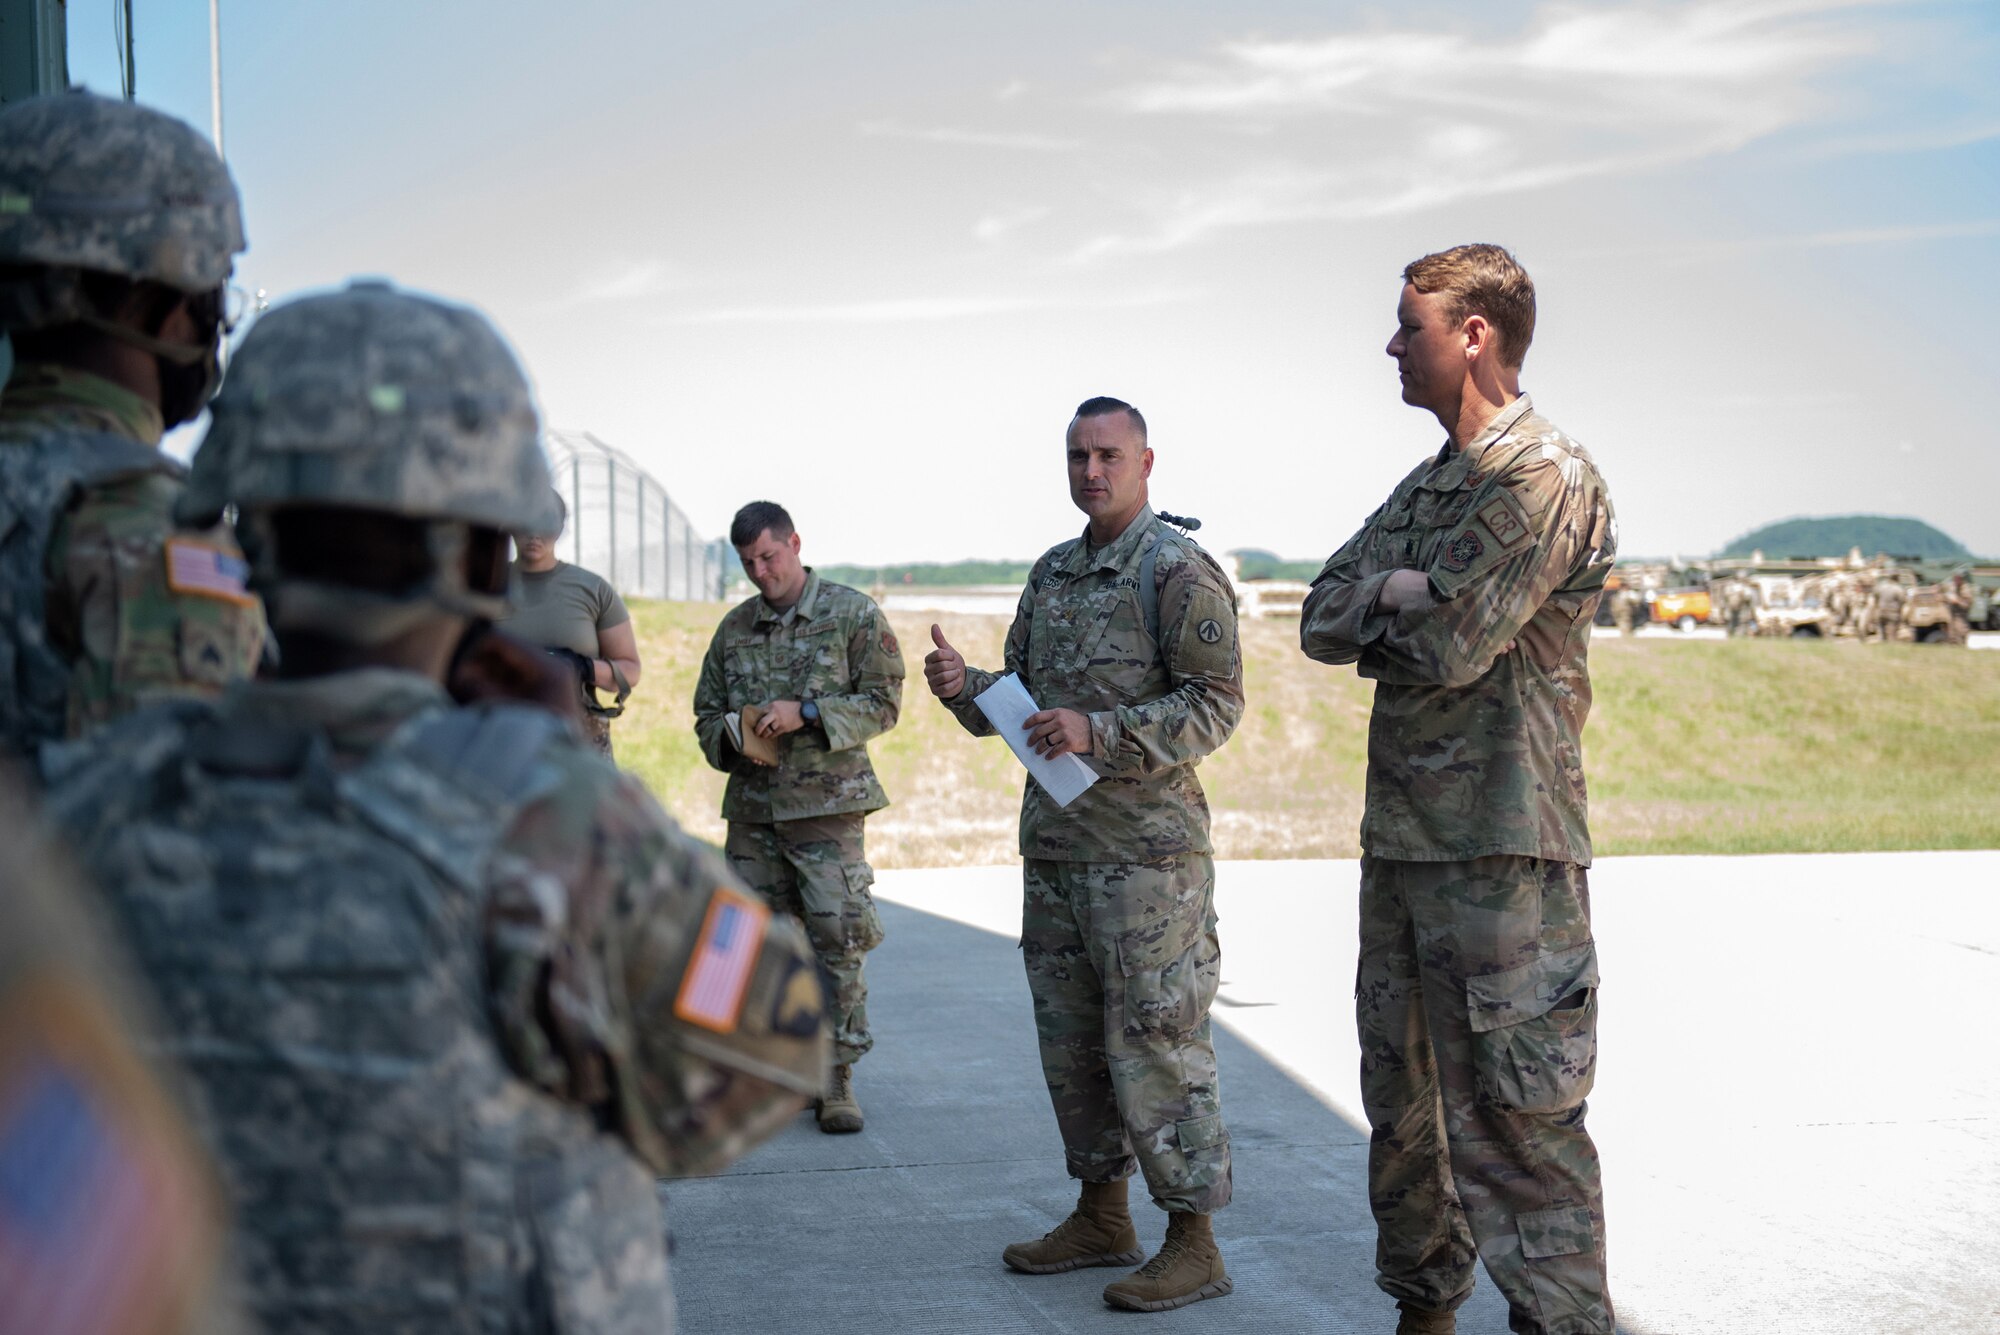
(566,607)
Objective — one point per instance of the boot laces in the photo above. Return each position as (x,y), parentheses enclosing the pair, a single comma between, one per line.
(1170,1252)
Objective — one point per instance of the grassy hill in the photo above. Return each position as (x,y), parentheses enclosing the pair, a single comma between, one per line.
(1836,535)
(1707,746)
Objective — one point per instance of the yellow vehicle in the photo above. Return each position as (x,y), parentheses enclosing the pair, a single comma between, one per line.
(1683,609)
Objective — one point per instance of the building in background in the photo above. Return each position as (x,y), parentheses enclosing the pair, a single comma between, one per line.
(624,526)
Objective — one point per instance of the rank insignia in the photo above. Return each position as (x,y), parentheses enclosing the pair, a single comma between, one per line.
(1462,551)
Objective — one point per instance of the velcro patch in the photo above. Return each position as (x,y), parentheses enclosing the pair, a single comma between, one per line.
(196,568)
(732,936)
(1462,551)
(1505,523)
(889,645)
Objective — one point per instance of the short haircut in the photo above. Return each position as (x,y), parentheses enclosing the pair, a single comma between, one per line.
(1104,406)
(1482,280)
(758,517)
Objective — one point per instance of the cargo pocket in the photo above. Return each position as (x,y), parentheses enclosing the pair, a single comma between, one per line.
(860,924)
(1171,966)
(1534,1031)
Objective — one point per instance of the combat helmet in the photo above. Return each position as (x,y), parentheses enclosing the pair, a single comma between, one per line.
(93,186)
(373,400)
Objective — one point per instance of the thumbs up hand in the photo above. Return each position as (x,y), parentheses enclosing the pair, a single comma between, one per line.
(944,667)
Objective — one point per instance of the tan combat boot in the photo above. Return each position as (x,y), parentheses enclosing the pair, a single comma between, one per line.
(1098,1232)
(839,1114)
(1187,1268)
(1417,1321)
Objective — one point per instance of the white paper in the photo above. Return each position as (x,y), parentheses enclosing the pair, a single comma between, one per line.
(1006,704)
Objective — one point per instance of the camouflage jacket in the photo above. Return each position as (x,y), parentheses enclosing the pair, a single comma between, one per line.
(104,601)
(836,649)
(1475,743)
(345,891)
(1080,641)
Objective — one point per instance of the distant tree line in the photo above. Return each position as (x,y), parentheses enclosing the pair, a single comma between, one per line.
(1256,563)
(930,574)
(1836,535)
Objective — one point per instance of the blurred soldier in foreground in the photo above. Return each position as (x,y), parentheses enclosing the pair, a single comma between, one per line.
(823,670)
(118,227)
(1468,597)
(1126,639)
(109,1218)
(449,984)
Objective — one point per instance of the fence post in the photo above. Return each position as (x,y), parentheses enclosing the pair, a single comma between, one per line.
(641,585)
(575,509)
(611,515)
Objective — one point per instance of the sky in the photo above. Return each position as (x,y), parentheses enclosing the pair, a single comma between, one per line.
(864,259)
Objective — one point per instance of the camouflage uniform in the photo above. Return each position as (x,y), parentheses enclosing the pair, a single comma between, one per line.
(795,831)
(103,603)
(448,983)
(1476,993)
(1118,925)
(1889,598)
(87,1126)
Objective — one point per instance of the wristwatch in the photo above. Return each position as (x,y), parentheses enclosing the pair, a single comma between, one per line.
(809,712)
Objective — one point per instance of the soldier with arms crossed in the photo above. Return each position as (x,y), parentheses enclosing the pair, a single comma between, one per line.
(825,673)
(118,229)
(1468,597)
(1126,638)
(452,990)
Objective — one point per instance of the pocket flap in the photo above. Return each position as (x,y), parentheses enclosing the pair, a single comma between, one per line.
(1199,1133)
(1496,1000)
(1156,944)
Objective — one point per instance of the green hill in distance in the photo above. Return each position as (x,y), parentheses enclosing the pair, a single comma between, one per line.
(1836,535)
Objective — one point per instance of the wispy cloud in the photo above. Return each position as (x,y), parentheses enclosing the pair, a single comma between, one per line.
(629,282)
(1889,235)
(912,309)
(946,134)
(996,227)
(1386,122)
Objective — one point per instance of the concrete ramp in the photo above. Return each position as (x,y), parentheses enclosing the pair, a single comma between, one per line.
(1798,1108)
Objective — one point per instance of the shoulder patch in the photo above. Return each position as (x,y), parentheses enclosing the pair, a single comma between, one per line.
(206,571)
(889,645)
(1505,522)
(1210,630)
(1462,551)
(718,973)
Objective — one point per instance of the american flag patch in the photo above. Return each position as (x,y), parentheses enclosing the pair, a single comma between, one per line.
(207,572)
(731,936)
(82,1210)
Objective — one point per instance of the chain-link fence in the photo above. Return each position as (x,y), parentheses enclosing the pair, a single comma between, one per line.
(624,526)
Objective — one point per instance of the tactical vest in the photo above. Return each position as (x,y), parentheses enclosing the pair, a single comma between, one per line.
(38,476)
(315,939)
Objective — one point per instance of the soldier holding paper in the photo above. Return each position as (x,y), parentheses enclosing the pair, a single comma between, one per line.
(1126,636)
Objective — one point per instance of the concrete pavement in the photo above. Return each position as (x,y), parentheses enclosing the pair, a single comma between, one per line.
(1798,1106)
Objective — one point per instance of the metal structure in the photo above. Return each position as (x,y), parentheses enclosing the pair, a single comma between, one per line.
(624,526)
(34,48)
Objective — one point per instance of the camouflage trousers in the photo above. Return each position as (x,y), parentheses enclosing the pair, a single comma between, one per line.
(1122,963)
(1476,1001)
(816,870)
(597,731)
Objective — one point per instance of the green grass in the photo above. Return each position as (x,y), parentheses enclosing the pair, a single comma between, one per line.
(1741,746)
